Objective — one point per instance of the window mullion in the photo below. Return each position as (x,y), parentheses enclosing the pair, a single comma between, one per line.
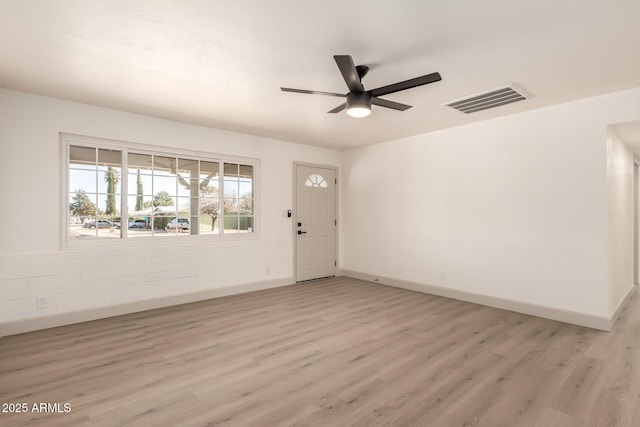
(95,200)
(124,195)
(221,198)
(153,192)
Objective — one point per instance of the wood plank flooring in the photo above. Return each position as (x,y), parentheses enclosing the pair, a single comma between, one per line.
(336,352)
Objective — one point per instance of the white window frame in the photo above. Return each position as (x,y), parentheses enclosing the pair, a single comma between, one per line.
(67,140)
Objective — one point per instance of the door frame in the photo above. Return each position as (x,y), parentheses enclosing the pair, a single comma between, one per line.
(295,206)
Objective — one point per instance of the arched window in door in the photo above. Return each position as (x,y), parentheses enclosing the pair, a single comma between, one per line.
(315,180)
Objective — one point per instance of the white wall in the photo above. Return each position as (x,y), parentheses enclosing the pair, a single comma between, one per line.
(31,263)
(620,191)
(513,208)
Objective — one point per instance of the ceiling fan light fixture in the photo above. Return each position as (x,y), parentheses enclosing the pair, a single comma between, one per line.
(359,112)
(359,104)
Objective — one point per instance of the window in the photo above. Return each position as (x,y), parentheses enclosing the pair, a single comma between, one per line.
(94,198)
(118,190)
(238,198)
(315,180)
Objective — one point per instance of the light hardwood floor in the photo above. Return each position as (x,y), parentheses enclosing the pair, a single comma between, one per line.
(336,352)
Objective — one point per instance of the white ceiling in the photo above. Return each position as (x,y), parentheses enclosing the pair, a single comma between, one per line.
(221,63)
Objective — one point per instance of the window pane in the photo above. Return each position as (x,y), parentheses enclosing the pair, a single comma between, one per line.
(140,161)
(230,215)
(230,187)
(186,184)
(109,180)
(246,171)
(230,206)
(99,226)
(209,213)
(88,228)
(208,224)
(160,223)
(165,210)
(184,206)
(231,222)
(188,166)
(140,205)
(82,204)
(209,169)
(209,190)
(74,228)
(108,228)
(109,205)
(140,220)
(245,224)
(209,179)
(164,184)
(246,189)
(245,206)
(165,164)
(109,157)
(84,180)
(82,157)
(139,184)
(230,170)
(183,225)
(315,180)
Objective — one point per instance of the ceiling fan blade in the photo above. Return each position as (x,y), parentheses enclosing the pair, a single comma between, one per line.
(312,92)
(349,73)
(389,104)
(407,84)
(338,108)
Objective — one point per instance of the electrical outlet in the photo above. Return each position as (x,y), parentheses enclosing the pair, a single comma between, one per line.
(267,271)
(42,303)
(443,276)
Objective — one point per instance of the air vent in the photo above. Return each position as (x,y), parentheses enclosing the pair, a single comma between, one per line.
(491,99)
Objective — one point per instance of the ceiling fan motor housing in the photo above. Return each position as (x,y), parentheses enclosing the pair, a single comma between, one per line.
(359,99)
(362,70)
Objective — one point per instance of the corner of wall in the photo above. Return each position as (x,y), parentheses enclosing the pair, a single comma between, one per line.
(622,306)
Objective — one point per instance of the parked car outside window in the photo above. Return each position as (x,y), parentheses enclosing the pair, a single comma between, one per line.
(182,224)
(137,223)
(101,223)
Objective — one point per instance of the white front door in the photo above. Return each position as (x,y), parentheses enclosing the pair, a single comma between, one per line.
(315,222)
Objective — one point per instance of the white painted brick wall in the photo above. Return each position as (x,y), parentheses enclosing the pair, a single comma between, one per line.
(73,280)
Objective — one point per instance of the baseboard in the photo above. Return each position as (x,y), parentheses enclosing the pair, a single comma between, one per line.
(623,302)
(62,319)
(567,316)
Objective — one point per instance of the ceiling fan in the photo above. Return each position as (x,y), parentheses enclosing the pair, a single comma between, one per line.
(359,101)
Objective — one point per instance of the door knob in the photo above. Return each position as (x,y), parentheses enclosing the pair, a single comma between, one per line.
(302,232)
